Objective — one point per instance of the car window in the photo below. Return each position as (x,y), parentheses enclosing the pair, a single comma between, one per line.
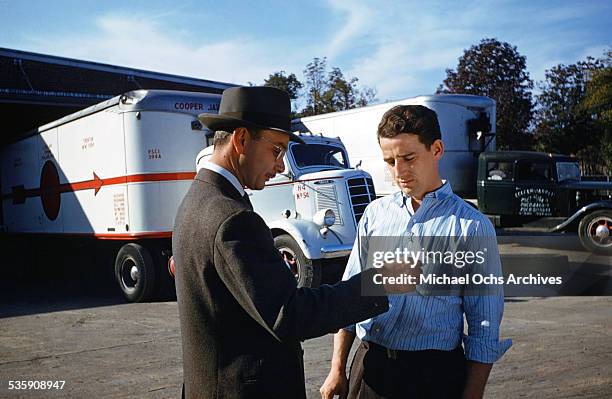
(533,171)
(319,155)
(568,171)
(499,170)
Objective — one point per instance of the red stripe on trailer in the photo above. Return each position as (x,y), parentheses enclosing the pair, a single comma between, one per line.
(104,236)
(20,193)
(128,236)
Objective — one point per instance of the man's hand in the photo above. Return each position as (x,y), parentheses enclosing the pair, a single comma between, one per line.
(401,278)
(336,383)
(476,379)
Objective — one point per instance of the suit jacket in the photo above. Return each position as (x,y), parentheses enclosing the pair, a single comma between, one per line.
(242,316)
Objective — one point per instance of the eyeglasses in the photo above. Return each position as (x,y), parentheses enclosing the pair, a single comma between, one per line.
(278,150)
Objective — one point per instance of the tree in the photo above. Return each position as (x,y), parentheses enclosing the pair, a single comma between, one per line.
(288,83)
(597,102)
(314,75)
(333,92)
(496,69)
(562,124)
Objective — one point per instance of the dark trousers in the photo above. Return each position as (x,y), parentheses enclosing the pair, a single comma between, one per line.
(378,373)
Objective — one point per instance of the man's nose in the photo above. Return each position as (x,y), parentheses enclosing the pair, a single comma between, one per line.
(280,165)
(400,167)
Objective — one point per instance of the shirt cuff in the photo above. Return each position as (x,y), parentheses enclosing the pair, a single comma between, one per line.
(350,329)
(485,350)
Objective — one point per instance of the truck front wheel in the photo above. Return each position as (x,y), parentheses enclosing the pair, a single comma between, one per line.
(135,272)
(595,231)
(307,272)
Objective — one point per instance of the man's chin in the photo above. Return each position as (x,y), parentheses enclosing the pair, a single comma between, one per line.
(407,190)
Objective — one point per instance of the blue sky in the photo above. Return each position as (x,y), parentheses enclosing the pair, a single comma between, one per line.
(400,48)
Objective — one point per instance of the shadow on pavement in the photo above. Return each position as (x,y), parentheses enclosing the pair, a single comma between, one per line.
(40,280)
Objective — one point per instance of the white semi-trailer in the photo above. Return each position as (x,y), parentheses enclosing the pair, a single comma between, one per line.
(468,128)
(115,171)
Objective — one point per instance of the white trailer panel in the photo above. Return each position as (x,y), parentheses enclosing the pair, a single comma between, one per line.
(357,130)
(116,169)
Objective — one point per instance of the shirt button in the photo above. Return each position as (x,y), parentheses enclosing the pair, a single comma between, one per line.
(377,329)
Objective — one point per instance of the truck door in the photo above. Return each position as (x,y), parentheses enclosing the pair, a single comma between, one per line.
(495,194)
(534,191)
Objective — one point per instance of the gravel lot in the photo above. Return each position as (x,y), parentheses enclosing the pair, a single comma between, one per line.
(73,326)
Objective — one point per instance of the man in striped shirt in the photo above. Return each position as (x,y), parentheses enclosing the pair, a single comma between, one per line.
(415,349)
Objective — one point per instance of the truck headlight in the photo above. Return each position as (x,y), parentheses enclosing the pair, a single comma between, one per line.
(324,218)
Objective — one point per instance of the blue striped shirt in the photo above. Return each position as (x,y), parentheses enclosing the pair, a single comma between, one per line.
(417,322)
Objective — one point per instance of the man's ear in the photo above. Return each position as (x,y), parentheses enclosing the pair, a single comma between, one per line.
(239,138)
(437,148)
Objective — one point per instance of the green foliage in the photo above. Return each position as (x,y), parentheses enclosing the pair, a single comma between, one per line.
(288,83)
(598,103)
(496,69)
(574,113)
(324,92)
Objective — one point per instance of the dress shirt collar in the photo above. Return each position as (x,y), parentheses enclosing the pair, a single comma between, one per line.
(225,173)
(439,194)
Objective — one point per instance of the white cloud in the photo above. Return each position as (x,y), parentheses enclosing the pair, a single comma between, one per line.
(400,48)
(410,45)
(358,18)
(145,43)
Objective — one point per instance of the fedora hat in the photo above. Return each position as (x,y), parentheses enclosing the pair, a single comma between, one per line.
(257,107)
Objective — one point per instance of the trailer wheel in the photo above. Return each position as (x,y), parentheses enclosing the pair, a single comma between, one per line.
(135,273)
(307,272)
(595,232)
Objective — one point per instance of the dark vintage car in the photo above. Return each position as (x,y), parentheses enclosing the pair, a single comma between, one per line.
(521,186)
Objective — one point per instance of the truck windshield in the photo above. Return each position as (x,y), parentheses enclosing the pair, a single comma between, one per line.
(568,171)
(319,155)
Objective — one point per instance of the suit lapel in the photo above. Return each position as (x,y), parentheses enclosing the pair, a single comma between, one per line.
(214,178)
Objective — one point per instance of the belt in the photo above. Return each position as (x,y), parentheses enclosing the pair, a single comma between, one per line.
(395,354)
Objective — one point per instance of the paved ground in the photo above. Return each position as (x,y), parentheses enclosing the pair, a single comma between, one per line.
(71,325)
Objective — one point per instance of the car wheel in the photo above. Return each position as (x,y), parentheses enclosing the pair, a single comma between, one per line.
(307,272)
(595,231)
(135,273)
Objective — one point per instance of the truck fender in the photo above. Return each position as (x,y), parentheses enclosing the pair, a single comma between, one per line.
(580,213)
(306,233)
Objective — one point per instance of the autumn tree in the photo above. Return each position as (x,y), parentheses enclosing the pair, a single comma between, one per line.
(496,69)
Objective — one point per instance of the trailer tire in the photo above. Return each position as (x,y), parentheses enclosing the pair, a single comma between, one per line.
(135,273)
(307,272)
(595,231)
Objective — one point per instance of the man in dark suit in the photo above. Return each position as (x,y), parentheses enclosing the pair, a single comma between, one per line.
(242,316)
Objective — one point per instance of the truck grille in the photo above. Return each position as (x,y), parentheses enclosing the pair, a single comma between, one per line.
(362,193)
(326,198)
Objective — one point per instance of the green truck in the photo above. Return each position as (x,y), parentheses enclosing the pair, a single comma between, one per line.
(518,187)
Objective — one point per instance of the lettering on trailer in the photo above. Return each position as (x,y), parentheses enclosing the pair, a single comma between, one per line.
(190,106)
(50,189)
(154,153)
(88,142)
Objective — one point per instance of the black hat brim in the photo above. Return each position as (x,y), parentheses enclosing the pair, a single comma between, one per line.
(222,122)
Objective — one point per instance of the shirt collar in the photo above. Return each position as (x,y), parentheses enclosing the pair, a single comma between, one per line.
(439,194)
(225,173)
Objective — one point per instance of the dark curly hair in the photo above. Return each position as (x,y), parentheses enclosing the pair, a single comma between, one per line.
(414,119)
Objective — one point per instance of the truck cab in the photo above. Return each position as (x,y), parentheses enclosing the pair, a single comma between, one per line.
(522,186)
(313,207)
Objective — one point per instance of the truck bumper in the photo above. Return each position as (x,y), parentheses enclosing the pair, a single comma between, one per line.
(335,251)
